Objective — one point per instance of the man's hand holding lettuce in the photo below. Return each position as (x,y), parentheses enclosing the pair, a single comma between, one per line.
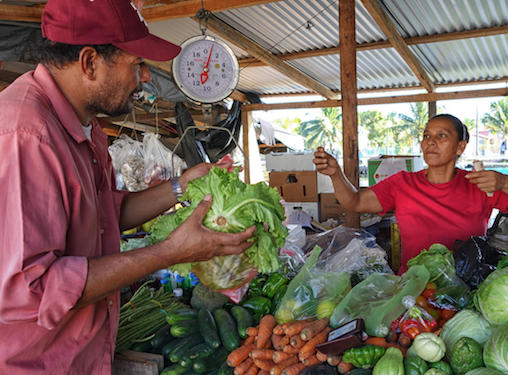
(236,206)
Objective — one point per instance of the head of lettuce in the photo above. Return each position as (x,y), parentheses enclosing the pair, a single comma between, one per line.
(236,206)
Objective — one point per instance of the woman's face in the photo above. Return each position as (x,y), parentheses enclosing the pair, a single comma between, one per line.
(440,144)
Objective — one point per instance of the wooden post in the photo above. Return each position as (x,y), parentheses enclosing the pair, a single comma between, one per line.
(246,122)
(432,109)
(347,49)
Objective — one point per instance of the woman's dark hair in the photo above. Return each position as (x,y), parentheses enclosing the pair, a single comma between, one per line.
(60,54)
(460,128)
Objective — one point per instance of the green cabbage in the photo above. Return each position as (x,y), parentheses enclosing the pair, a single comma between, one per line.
(236,206)
(438,260)
(495,351)
(492,297)
(484,371)
(466,323)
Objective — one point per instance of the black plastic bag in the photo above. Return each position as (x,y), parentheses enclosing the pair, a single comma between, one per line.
(475,259)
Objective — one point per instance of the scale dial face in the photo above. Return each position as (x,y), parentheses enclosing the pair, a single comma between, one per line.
(206,70)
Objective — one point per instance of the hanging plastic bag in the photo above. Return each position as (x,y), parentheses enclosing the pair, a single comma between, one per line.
(313,292)
(415,320)
(378,299)
(127,158)
(160,163)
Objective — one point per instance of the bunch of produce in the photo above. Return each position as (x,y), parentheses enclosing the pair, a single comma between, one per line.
(236,206)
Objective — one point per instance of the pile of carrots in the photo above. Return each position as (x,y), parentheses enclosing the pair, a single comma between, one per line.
(280,349)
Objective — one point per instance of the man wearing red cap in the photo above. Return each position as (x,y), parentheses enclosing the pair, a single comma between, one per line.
(60,263)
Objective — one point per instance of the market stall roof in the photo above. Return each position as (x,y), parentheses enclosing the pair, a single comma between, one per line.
(291,47)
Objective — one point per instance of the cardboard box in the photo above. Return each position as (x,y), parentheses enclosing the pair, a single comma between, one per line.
(311,208)
(289,161)
(329,207)
(387,165)
(298,186)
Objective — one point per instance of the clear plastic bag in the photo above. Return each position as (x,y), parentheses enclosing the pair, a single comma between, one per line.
(160,163)
(313,292)
(378,299)
(128,163)
(415,320)
(352,251)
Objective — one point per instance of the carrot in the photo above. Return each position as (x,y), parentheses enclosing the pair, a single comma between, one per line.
(238,355)
(276,339)
(404,340)
(308,349)
(284,341)
(252,331)
(290,349)
(321,356)
(344,367)
(293,369)
(286,326)
(378,341)
(278,330)
(311,361)
(253,370)
(265,328)
(313,329)
(264,364)
(249,340)
(297,327)
(242,368)
(333,360)
(278,368)
(296,341)
(262,354)
(264,372)
(279,357)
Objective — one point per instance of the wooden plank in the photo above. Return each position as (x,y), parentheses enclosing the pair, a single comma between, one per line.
(453,95)
(20,13)
(189,8)
(228,33)
(246,122)
(425,39)
(432,109)
(386,25)
(130,362)
(347,45)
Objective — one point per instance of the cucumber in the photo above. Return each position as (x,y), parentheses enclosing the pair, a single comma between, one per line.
(199,351)
(224,369)
(141,346)
(166,348)
(184,313)
(184,328)
(173,370)
(227,329)
(243,320)
(212,362)
(162,337)
(208,328)
(182,346)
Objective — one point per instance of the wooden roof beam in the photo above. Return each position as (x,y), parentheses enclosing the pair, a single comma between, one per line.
(429,97)
(20,13)
(386,25)
(426,39)
(228,33)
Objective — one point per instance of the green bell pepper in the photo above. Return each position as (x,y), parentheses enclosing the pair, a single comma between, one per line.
(274,282)
(259,306)
(277,298)
(256,286)
(443,366)
(414,365)
(364,356)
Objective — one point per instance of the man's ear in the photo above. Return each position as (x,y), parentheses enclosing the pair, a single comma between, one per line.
(88,62)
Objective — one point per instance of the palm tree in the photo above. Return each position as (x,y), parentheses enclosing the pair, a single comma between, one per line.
(376,126)
(413,126)
(497,120)
(325,131)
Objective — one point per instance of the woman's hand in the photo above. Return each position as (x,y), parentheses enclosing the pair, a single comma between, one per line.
(489,181)
(193,242)
(325,163)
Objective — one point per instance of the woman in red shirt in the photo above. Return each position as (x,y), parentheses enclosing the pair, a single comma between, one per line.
(440,204)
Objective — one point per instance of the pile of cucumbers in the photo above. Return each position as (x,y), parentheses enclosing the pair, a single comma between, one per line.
(199,341)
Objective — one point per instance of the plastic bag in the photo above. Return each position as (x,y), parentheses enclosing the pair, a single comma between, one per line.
(415,320)
(475,259)
(313,292)
(128,163)
(160,163)
(378,299)
(352,251)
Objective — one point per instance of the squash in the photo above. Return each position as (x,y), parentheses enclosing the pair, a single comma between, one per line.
(390,364)
(429,347)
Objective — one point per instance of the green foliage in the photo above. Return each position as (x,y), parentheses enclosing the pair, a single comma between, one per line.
(325,131)
(497,120)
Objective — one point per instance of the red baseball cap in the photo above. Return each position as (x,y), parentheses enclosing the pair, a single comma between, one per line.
(116,22)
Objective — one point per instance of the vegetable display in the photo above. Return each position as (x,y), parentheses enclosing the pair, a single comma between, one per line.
(236,206)
(492,297)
